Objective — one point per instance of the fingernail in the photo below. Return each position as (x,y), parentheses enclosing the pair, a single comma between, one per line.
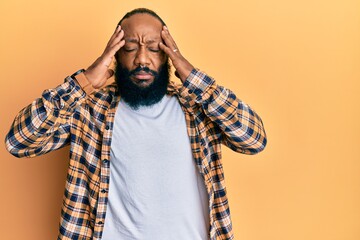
(166,27)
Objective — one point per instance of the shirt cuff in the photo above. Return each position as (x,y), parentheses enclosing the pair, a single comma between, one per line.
(84,83)
(197,84)
(69,93)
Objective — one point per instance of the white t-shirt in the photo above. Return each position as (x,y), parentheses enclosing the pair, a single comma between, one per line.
(156,190)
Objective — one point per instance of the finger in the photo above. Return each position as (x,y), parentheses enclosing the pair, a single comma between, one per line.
(169,39)
(118,27)
(168,48)
(117,38)
(170,36)
(117,31)
(110,52)
(115,44)
(169,52)
(117,47)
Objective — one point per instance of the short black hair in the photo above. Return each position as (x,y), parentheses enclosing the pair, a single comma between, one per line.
(142,11)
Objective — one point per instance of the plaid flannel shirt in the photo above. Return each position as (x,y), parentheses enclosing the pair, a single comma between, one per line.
(74,113)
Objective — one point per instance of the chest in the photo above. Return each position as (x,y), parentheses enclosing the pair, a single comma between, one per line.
(158,129)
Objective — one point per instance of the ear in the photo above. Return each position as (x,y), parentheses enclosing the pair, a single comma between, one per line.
(177,75)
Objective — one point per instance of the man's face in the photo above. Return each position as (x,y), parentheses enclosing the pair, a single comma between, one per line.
(142,38)
(142,71)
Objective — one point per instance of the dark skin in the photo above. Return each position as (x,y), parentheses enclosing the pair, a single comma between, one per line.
(141,40)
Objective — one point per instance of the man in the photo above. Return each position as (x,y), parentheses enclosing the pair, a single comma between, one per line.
(145,157)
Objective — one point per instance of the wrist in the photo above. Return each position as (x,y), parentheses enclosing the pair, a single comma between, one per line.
(185,73)
(89,76)
(83,81)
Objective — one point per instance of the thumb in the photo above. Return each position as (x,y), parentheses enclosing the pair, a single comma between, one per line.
(109,73)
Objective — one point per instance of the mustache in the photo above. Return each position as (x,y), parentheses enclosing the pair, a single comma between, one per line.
(143,69)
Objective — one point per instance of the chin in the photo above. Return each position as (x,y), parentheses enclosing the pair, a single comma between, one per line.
(142,82)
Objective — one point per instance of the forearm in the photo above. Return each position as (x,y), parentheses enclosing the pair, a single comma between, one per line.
(242,128)
(44,125)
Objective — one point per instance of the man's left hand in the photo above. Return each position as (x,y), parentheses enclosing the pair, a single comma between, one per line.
(182,66)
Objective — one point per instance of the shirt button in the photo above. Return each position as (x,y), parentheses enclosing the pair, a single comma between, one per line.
(190,91)
(76,99)
(107,127)
(105,161)
(103,191)
(100,223)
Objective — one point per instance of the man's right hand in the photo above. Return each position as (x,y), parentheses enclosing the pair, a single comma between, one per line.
(99,71)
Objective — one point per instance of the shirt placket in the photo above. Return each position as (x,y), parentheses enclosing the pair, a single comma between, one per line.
(107,129)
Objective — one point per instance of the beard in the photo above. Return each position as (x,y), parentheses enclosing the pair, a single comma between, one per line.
(136,96)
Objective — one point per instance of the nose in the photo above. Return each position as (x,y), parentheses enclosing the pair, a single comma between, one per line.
(142,58)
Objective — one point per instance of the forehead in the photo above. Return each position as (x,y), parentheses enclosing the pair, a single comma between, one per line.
(141,26)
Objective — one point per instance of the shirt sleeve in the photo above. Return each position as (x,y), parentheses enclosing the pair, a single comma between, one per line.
(242,129)
(44,125)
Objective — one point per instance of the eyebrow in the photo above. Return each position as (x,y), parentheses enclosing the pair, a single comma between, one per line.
(134,40)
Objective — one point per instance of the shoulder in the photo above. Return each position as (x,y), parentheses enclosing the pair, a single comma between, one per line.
(103,96)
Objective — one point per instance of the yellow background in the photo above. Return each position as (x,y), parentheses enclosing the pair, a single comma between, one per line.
(297,63)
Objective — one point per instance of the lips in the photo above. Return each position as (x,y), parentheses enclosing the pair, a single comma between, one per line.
(143,75)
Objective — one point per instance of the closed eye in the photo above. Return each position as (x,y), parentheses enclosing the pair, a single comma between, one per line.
(129,49)
(154,50)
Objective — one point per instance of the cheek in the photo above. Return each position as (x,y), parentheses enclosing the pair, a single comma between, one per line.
(125,60)
(158,60)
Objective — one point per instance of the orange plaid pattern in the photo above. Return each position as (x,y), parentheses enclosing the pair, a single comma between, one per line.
(77,115)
